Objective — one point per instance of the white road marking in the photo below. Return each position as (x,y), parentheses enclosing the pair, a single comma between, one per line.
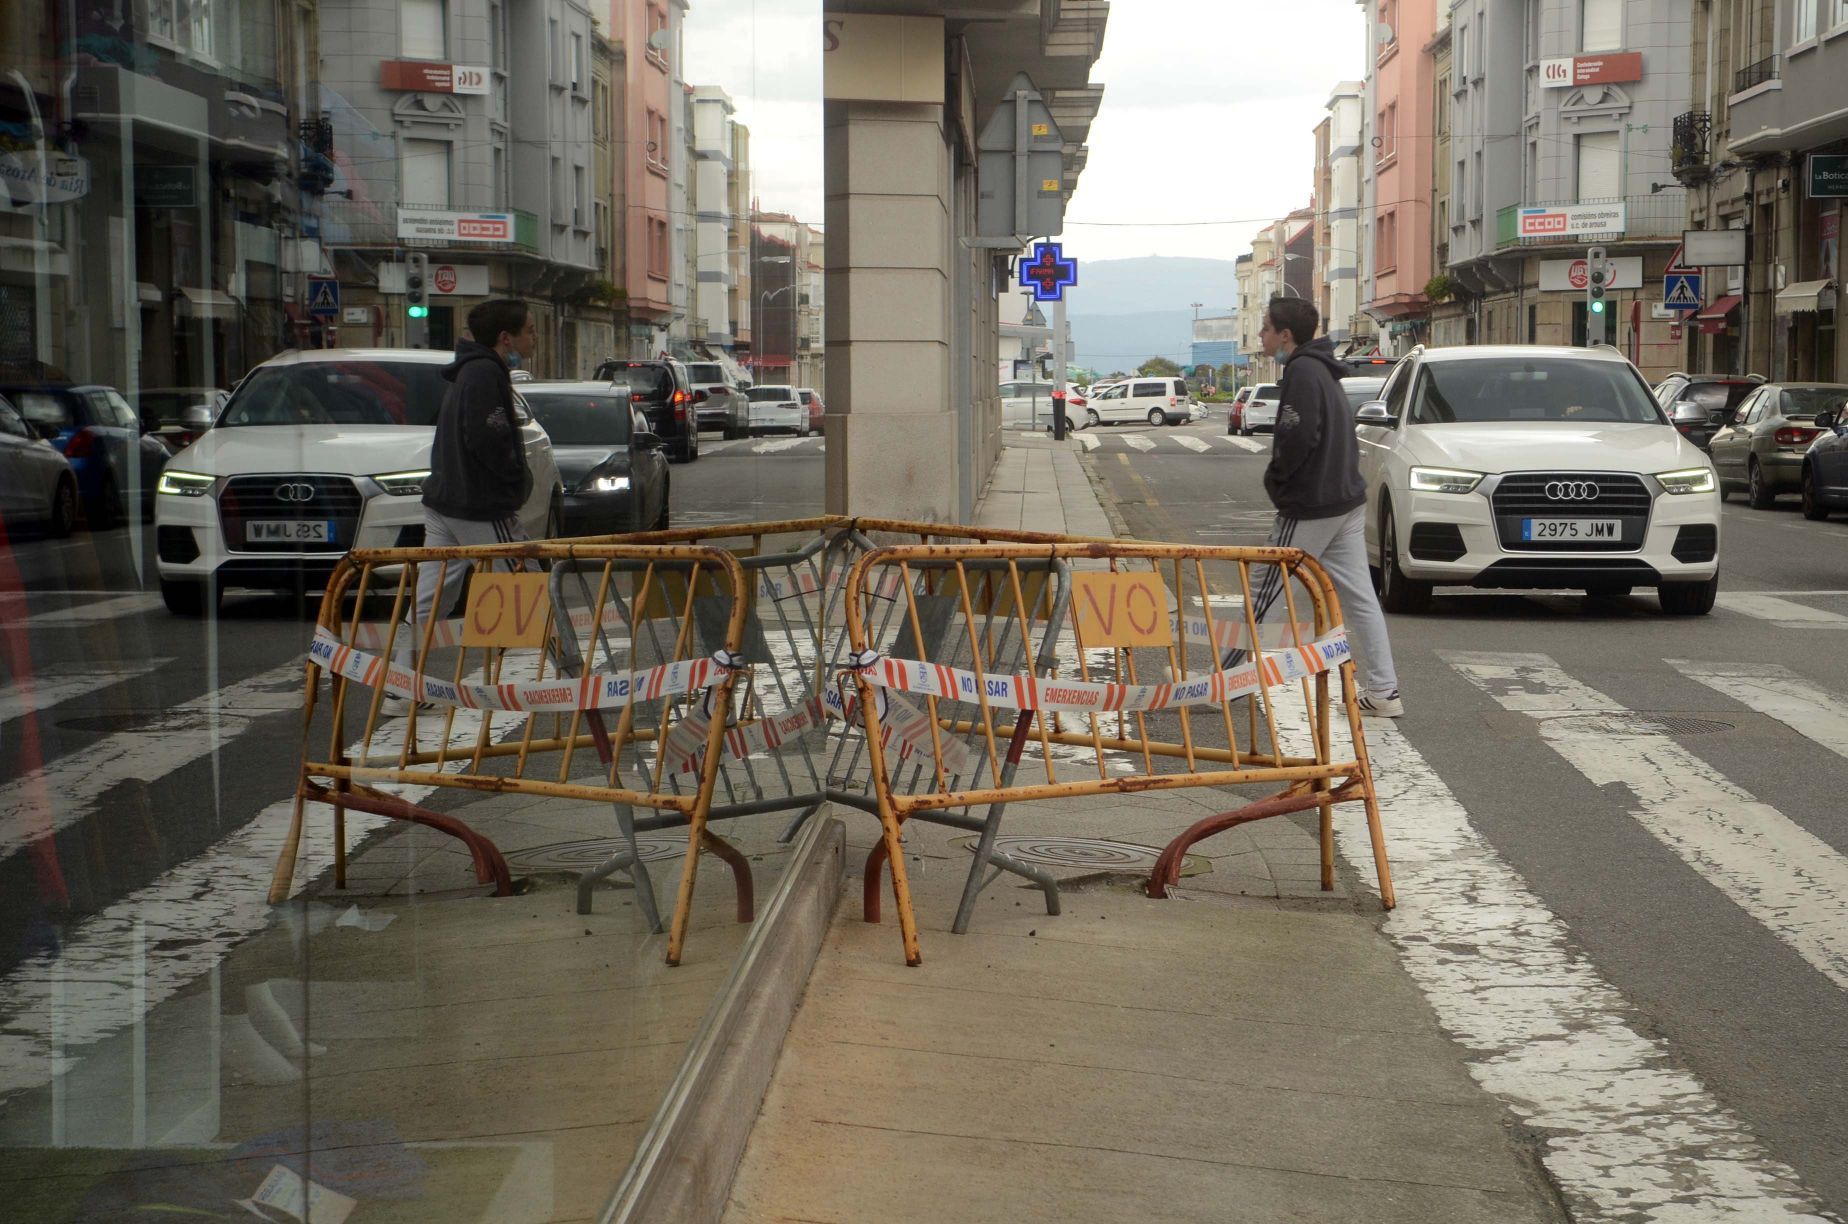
(1090,441)
(65,791)
(1625,1133)
(193,916)
(1139,441)
(772,445)
(66,682)
(1198,445)
(1781,612)
(1777,692)
(1768,865)
(1243,443)
(88,612)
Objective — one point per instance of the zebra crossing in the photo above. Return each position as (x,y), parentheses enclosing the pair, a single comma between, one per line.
(1627,1129)
(1145,441)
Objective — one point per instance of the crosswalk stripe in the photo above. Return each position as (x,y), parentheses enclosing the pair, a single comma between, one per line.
(1502,973)
(1198,445)
(771,445)
(87,612)
(58,795)
(1777,692)
(1243,443)
(1780,873)
(1139,441)
(92,986)
(1089,441)
(67,682)
(1784,613)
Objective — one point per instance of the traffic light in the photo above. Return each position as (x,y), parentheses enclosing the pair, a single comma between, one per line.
(416,300)
(1597,276)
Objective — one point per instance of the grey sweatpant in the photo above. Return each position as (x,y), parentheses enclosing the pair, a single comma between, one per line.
(434,578)
(1340,544)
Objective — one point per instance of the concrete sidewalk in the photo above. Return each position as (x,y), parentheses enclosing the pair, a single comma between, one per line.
(1250,1050)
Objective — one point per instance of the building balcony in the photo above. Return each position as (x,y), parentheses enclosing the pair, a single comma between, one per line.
(1689,149)
(1764,70)
(1647,218)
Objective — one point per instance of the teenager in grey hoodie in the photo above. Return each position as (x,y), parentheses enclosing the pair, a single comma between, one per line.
(1314,481)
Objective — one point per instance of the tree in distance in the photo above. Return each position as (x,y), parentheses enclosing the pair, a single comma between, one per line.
(1158,367)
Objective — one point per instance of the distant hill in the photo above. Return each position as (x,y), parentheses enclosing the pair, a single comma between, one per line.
(1125,311)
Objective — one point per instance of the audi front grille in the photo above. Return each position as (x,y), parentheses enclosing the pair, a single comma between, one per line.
(250,499)
(1568,495)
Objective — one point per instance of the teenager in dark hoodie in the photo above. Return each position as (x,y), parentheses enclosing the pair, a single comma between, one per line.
(1314,481)
(478,475)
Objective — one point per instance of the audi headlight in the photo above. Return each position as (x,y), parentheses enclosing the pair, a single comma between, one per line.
(185,484)
(402,484)
(609,484)
(1688,480)
(1444,480)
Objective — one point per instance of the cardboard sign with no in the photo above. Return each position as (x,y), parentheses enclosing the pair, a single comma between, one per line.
(1121,609)
(506,610)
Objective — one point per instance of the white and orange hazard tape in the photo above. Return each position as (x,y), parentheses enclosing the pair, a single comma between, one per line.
(596,691)
(1020,692)
(900,721)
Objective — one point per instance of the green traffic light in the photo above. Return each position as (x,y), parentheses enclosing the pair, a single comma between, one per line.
(423,312)
(1597,308)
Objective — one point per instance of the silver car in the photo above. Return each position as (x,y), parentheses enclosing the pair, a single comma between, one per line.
(1759,449)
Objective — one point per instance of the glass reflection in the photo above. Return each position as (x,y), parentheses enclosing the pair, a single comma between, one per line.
(190,189)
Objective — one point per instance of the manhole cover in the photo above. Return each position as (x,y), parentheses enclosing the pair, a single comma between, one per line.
(1084,854)
(583,855)
(1625,723)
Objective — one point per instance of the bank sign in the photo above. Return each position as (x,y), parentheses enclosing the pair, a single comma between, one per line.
(454,226)
(1571,220)
(1828,176)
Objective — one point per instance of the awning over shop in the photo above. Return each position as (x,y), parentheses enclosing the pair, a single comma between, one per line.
(147,293)
(1806,296)
(208,304)
(1713,319)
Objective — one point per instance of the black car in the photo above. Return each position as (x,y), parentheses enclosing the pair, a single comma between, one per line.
(116,465)
(1825,465)
(614,473)
(661,389)
(1700,404)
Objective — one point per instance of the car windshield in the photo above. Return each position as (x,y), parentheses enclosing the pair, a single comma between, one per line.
(582,420)
(1806,402)
(1563,389)
(42,407)
(1361,390)
(340,393)
(706,372)
(764,394)
(649,381)
(1717,396)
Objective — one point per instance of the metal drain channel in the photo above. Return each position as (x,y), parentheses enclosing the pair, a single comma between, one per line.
(1625,722)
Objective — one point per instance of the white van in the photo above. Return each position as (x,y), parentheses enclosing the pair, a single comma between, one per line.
(1158,401)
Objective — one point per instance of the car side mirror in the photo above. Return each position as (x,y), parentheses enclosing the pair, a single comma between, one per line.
(199,416)
(648,440)
(1826,419)
(1374,412)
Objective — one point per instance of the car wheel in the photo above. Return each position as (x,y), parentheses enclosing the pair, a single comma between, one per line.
(732,433)
(1157,417)
(1688,598)
(661,522)
(1812,508)
(1091,419)
(1757,492)
(555,519)
(185,598)
(106,511)
(1397,592)
(63,507)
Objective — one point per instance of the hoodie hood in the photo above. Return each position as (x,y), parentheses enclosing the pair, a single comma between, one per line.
(471,350)
(1320,349)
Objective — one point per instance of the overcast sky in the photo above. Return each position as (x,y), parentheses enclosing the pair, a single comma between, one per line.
(1209,114)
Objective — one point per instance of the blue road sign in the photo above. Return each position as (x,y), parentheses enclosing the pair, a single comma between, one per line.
(1048,272)
(1681,290)
(324,297)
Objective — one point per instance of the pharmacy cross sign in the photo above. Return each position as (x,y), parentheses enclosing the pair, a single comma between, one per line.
(1048,273)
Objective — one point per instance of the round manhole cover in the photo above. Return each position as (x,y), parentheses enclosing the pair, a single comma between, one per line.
(1623,722)
(583,855)
(1085,854)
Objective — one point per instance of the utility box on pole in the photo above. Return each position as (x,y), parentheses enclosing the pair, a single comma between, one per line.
(1020,171)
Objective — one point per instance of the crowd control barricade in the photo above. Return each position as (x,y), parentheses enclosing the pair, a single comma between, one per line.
(573,672)
(1149,671)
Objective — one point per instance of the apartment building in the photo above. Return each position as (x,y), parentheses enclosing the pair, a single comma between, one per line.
(715,169)
(1450,318)
(1339,219)
(1560,141)
(651,99)
(1763,148)
(1399,165)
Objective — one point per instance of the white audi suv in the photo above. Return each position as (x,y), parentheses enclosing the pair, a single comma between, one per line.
(317,452)
(1523,466)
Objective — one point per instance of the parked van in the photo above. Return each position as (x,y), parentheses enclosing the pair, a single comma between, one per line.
(1158,401)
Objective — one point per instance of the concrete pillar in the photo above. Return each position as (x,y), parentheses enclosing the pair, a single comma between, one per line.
(892,441)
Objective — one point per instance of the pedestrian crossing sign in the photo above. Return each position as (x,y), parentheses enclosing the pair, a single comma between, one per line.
(1681,291)
(324,297)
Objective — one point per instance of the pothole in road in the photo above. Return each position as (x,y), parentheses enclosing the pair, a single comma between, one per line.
(1630,723)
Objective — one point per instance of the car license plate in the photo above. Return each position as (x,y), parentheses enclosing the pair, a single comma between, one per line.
(290,531)
(1572,529)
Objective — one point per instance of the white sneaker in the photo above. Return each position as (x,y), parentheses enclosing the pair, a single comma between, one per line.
(1381,705)
(399,707)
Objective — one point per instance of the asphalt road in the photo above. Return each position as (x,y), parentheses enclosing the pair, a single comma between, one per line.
(1729,950)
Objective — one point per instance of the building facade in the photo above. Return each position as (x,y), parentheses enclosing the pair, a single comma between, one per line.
(1339,220)
(716,170)
(1399,165)
(650,101)
(1593,88)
